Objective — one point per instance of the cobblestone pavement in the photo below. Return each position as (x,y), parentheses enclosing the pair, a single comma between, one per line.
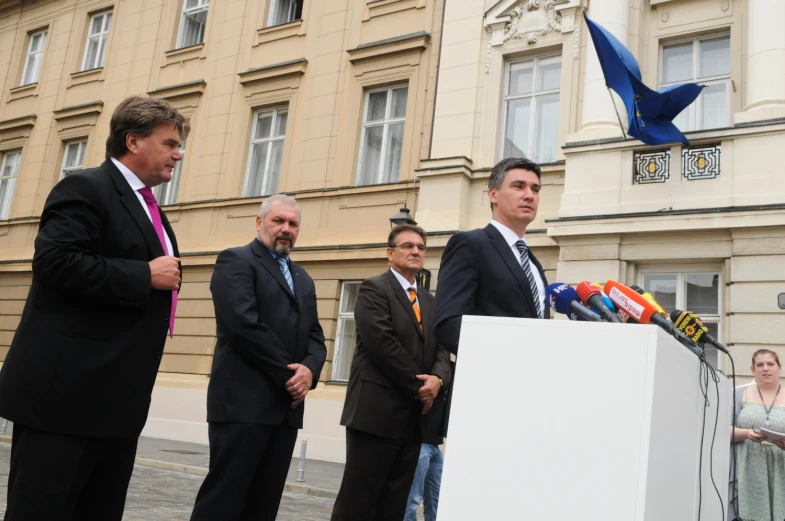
(160,495)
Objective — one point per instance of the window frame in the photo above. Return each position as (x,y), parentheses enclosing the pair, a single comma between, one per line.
(339,352)
(276,111)
(164,194)
(5,203)
(68,170)
(386,124)
(695,114)
(274,7)
(533,95)
(204,5)
(713,356)
(29,53)
(102,37)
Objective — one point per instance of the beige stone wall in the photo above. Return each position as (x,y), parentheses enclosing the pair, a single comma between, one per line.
(320,67)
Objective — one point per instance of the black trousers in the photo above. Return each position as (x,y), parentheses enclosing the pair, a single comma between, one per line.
(248,467)
(378,476)
(55,477)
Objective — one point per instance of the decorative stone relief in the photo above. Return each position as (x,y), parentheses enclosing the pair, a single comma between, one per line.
(665,16)
(488,58)
(724,5)
(576,38)
(532,19)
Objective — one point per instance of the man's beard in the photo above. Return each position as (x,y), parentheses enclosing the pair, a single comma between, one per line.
(282,251)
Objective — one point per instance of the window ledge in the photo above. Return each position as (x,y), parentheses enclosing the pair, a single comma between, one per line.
(279,32)
(23,91)
(382,7)
(88,76)
(184,54)
(414,42)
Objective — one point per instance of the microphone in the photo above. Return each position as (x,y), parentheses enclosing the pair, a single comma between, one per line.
(644,312)
(590,295)
(692,326)
(648,296)
(564,299)
(605,298)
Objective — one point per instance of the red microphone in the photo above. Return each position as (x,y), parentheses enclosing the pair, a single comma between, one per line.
(591,295)
(641,310)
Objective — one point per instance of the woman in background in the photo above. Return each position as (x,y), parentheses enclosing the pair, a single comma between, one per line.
(760,462)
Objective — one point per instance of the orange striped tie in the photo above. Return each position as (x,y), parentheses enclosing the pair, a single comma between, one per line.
(415,307)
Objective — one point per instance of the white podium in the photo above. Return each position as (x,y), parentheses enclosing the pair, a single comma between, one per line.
(566,421)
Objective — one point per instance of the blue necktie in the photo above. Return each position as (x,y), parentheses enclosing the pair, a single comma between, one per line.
(286,273)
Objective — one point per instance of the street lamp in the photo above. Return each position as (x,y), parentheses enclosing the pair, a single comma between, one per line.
(404,217)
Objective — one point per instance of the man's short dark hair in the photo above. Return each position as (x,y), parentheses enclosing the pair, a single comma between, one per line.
(405,228)
(140,115)
(501,168)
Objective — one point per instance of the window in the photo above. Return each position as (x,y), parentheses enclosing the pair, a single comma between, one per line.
(698,292)
(166,193)
(531,108)
(35,55)
(97,36)
(9,169)
(285,11)
(73,158)
(705,61)
(346,335)
(382,136)
(264,162)
(192,23)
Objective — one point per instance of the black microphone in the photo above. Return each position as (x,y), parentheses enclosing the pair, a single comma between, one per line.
(692,326)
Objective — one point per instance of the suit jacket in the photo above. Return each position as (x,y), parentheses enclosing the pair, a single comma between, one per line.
(261,328)
(86,353)
(480,275)
(391,350)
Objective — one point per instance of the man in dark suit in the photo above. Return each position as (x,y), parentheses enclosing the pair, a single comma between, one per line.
(269,354)
(79,374)
(397,371)
(491,271)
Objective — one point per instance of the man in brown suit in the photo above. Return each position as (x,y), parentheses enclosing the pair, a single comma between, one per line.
(397,371)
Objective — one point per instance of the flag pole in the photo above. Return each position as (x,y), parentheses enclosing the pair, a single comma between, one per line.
(621,126)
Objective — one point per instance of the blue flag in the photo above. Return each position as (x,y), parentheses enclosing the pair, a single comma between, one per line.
(650,112)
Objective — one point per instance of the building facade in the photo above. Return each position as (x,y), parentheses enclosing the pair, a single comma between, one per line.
(330,101)
(358,107)
(702,227)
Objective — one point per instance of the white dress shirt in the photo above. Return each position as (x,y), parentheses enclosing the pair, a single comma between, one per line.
(406,285)
(511,238)
(136,185)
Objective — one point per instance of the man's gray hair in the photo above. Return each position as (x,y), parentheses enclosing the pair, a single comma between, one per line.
(281,198)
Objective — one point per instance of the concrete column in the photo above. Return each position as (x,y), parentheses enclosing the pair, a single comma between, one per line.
(599,117)
(765,92)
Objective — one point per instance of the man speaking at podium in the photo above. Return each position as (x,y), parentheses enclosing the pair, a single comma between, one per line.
(491,271)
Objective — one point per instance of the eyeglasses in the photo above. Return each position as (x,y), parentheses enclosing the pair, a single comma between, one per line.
(408,246)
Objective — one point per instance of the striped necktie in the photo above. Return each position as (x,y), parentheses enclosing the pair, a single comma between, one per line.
(415,307)
(527,269)
(286,273)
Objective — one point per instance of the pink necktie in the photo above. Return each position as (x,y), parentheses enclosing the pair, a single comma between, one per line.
(155,216)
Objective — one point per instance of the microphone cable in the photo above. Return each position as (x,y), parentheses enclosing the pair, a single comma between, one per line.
(734,485)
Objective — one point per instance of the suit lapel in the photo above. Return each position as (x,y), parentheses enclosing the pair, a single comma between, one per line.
(511,261)
(426,312)
(271,265)
(403,298)
(299,292)
(134,207)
